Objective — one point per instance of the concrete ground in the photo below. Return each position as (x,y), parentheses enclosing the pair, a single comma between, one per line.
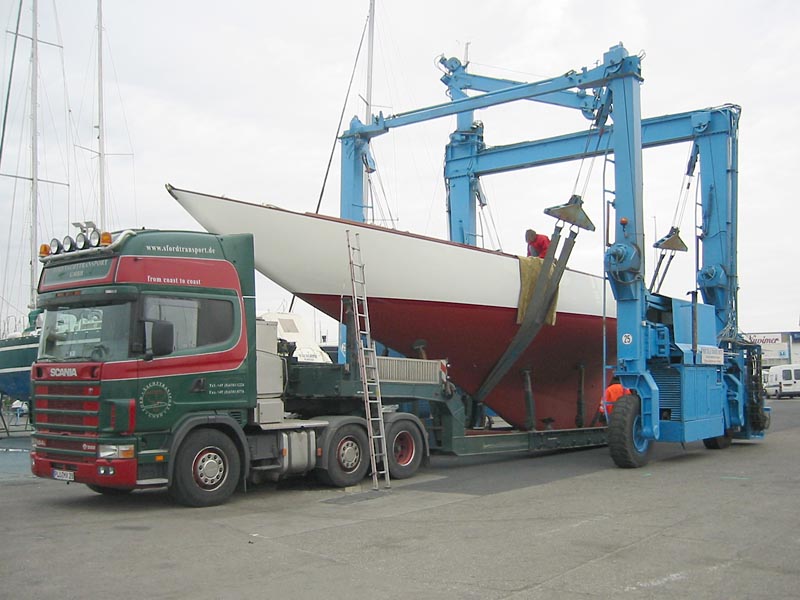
(692,524)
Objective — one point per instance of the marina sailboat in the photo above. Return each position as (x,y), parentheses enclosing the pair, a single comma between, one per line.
(18,349)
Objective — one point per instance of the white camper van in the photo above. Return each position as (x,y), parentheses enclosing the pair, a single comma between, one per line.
(783,381)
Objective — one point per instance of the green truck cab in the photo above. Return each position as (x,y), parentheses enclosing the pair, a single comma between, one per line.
(154,371)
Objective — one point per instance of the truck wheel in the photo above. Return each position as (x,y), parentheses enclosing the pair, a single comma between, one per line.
(629,448)
(404,450)
(108,491)
(347,456)
(207,469)
(719,442)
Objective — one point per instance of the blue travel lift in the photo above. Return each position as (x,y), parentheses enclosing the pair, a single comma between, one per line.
(691,374)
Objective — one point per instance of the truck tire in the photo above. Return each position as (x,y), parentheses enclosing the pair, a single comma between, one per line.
(347,456)
(629,448)
(207,468)
(719,442)
(404,449)
(108,491)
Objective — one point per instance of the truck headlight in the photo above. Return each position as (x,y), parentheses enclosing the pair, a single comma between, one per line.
(115,451)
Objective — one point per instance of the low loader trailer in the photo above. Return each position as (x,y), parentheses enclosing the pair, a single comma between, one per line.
(154,371)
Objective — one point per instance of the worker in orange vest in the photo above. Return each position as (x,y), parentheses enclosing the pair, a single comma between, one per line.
(614,392)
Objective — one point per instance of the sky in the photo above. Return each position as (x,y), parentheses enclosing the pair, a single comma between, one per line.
(243,99)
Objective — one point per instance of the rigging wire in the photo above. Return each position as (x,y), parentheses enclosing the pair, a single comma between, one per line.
(67,110)
(127,132)
(338,129)
(385,218)
(5,301)
(486,217)
(341,119)
(10,76)
(16,276)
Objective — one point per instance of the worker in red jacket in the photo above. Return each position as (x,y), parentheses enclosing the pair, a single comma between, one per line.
(537,243)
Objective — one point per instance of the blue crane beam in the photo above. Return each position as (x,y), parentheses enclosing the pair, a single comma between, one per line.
(656,131)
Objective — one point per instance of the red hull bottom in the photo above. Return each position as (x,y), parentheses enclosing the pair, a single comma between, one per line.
(473,338)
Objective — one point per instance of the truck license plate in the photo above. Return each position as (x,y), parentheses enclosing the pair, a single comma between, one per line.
(63,475)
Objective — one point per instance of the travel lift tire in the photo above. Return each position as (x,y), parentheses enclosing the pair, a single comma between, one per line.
(629,448)
(207,469)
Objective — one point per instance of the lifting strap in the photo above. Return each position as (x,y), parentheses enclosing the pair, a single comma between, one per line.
(544,291)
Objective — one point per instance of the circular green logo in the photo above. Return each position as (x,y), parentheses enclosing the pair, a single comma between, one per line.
(155,400)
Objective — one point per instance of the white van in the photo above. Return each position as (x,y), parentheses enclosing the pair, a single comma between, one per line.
(783,381)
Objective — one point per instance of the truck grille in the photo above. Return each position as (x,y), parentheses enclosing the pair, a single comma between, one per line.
(67,418)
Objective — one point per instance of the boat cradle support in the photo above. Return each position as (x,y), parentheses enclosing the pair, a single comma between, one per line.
(451,434)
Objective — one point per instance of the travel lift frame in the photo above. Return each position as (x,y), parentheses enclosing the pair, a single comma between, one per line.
(692,376)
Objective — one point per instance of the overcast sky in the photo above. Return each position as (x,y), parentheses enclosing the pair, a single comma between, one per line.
(243,99)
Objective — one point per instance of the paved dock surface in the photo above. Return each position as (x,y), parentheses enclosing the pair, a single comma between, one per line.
(692,524)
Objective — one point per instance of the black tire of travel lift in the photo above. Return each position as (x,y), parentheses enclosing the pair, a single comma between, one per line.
(628,449)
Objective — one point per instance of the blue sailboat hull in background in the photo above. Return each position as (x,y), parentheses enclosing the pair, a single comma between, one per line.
(17,354)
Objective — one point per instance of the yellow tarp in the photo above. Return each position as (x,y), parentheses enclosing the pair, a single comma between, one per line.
(529,269)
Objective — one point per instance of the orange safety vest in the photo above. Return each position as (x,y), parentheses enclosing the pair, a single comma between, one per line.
(613,393)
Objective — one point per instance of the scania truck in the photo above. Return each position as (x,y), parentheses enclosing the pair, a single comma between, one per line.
(153,371)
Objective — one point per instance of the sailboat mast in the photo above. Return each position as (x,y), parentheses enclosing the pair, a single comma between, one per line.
(370,53)
(368,98)
(34,152)
(100,112)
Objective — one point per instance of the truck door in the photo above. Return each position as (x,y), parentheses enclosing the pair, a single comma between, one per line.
(205,371)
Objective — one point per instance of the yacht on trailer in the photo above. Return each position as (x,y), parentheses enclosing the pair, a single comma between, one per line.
(457,301)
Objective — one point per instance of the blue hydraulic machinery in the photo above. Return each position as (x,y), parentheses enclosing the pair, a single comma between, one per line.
(692,376)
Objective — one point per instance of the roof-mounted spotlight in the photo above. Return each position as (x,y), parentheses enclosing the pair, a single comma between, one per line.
(81,241)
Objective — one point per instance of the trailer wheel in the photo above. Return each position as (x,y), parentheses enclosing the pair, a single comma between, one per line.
(719,442)
(347,454)
(629,448)
(108,491)
(404,450)
(206,469)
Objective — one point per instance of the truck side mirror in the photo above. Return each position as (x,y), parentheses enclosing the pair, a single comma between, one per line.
(162,338)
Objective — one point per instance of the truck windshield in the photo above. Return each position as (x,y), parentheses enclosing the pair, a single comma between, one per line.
(96,333)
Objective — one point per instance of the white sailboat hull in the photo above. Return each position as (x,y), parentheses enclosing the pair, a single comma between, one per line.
(461,300)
